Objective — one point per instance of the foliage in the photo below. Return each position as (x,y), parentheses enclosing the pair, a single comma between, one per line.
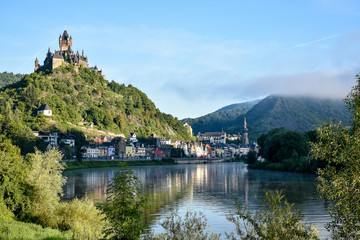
(29,231)
(251,157)
(9,78)
(124,206)
(82,95)
(30,190)
(193,227)
(279,144)
(275,220)
(14,197)
(286,150)
(80,216)
(45,176)
(339,181)
(13,127)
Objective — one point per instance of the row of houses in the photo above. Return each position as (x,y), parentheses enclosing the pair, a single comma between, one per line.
(104,147)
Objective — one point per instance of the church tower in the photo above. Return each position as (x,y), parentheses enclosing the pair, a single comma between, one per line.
(65,41)
(245,137)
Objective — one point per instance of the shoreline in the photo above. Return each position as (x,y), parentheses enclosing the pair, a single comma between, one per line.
(98,163)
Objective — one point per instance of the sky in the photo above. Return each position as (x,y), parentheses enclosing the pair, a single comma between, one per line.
(194,57)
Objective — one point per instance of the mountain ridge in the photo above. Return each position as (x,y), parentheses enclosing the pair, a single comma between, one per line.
(295,113)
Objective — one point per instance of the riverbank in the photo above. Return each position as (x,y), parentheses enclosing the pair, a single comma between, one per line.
(98,164)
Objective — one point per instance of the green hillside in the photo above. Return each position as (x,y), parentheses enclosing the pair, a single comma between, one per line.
(225,118)
(80,97)
(8,78)
(295,113)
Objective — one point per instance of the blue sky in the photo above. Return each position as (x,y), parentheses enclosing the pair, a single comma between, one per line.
(193,57)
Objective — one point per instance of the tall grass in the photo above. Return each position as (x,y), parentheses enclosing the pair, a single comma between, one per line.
(20,230)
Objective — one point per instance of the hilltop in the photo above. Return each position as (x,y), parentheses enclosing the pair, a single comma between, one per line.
(79,96)
(223,118)
(295,113)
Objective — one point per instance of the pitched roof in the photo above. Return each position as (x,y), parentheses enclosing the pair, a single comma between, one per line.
(44,107)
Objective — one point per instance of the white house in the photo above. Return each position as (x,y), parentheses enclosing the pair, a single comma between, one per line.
(45,109)
(51,138)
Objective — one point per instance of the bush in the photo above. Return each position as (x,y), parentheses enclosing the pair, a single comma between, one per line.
(82,218)
(276,221)
(193,227)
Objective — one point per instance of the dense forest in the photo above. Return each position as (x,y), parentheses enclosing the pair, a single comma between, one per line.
(8,78)
(79,97)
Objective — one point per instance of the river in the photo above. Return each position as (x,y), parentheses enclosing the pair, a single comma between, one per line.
(209,188)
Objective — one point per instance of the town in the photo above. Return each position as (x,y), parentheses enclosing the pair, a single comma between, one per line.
(209,145)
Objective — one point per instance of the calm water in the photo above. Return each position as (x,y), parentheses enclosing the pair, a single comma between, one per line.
(209,188)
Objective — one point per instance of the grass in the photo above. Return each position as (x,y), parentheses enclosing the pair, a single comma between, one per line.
(97,164)
(27,231)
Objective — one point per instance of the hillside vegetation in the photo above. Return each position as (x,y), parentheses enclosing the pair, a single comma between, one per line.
(225,118)
(80,97)
(294,113)
(8,78)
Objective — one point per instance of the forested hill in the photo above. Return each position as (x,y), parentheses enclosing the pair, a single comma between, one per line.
(8,78)
(78,98)
(225,118)
(296,113)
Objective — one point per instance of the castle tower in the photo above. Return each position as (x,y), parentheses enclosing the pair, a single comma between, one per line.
(245,137)
(36,64)
(65,41)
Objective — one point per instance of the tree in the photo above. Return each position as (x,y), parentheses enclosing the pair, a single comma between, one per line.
(14,197)
(251,157)
(45,176)
(277,220)
(339,181)
(124,206)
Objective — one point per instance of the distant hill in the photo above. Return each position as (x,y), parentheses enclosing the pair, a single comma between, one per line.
(296,113)
(225,118)
(8,78)
(82,96)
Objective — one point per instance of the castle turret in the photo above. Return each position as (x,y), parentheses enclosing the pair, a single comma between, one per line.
(65,41)
(36,64)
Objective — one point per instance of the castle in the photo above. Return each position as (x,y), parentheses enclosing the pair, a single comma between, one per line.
(65,54)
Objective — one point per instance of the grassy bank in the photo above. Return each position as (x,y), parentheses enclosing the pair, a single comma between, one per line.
(97,164)
(20,230)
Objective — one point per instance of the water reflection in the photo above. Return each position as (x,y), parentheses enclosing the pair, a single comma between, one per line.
(210,188)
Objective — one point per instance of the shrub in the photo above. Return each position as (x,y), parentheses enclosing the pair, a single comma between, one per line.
(82,218)
(193,227)
(276,221)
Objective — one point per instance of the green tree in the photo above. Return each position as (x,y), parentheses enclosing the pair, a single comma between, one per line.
(124,206)
(251,157)
(277,220)
(339,181)
(14,191)
(45,176)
